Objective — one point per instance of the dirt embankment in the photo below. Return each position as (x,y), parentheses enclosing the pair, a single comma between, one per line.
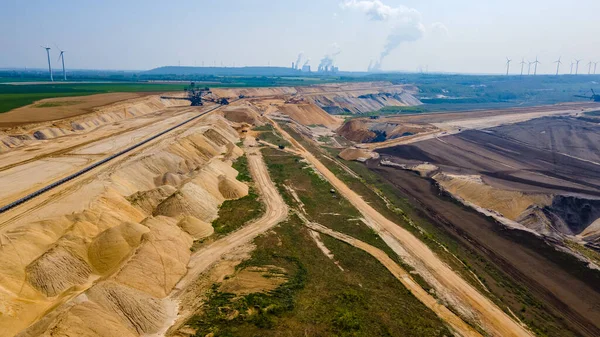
(553,278)
(522,171)
(71,120)
(51,109)
(117,243)
(367,131)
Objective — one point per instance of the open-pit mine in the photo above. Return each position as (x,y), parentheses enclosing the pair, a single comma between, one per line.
(287,212)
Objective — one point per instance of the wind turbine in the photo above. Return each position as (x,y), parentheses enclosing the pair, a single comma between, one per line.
(536,63)
(522,65)
(590,68)
(507,65)
(572,64)
(595,65)
(558,63)
(529,68)
(577,66)
(49,64)
(61,56)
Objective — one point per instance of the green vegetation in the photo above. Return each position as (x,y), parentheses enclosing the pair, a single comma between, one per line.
(241,165)
(483,274)
(318,299)
(233,214)
(314,192)
(398,110)
(270,135)
(14,96)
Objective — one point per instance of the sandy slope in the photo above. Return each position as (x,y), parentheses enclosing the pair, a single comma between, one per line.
(494,320)
(276,211)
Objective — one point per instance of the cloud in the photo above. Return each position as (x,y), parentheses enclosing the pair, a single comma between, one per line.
(439,29)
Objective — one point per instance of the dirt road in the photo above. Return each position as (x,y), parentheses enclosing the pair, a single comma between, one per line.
(494,320)
(276,211)
(444,313)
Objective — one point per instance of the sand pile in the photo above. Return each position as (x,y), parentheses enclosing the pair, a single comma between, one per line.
(84,319)
(135,309)
(357,130)
(352,153)
(243,113)
(160,261)
(148,200)
(57,270)
(310,114)
(112,246)
(195,227)
(192,200)
(231,188)
(508,203)
(84,121)
(135,234)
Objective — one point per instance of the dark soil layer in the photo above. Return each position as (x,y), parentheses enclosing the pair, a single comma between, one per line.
(568,290)
(536,156)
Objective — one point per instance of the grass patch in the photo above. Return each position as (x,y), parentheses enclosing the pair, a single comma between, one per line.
(270,135)
(233,214)
(318,299)
(321,206)
(241,165)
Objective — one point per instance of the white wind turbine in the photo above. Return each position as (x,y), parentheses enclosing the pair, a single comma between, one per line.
(61,57)
(508,61)
(49,64)
(577,66)
(536,62)
(522,65)
(558,63)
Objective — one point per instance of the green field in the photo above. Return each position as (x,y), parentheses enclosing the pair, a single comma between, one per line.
(14,96)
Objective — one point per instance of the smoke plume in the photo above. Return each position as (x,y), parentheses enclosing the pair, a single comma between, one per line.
(405,24)
(328,60)
(298,60)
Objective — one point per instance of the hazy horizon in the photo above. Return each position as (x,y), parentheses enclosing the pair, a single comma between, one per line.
(458,37)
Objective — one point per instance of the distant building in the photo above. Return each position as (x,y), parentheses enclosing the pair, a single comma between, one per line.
(306,68)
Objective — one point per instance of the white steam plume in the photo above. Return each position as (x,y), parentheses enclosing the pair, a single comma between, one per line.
(298,60)
(328,60)
(405,23)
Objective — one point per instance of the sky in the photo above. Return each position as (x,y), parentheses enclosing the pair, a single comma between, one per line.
(462,36)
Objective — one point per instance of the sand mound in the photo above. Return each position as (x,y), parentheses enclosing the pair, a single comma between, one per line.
(170,178)
(108,249)
(192,200)
(85,319)
(136,309)
(57,270)
(231,188)
(160,261)
(355,154)
(310,114)
(148,200)
(357,130)
(198,229)
(509,203)
(242,114)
